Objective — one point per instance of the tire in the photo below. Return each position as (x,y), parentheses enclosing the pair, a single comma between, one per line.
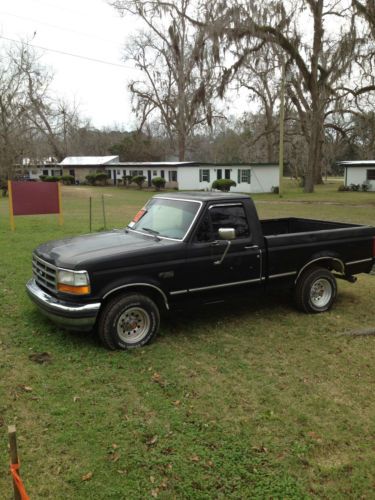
(316,290)
(128,321)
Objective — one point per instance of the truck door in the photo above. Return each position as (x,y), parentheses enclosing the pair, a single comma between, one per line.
(208,265)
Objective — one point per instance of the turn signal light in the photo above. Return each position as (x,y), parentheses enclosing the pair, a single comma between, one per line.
(76,290)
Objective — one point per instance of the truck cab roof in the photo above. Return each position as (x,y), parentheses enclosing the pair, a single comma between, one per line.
(203,196)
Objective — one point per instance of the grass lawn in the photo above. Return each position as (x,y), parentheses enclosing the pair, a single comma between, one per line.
(252,401)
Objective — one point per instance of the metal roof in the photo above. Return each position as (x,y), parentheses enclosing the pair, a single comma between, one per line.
(177,164)
(357,163)
(88,160)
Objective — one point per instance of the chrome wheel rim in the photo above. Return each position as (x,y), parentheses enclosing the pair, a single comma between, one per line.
(133,325)
(321,292)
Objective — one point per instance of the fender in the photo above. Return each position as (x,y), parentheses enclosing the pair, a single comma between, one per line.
(321,257)
(137,284)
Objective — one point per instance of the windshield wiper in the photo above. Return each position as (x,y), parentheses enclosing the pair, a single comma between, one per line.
(152,231)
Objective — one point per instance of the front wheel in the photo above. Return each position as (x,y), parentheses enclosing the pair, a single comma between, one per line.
(316,290)
(128,321)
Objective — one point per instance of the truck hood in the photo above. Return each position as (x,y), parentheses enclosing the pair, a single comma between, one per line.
(103,250)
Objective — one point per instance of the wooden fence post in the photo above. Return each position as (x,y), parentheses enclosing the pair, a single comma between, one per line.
(14,456)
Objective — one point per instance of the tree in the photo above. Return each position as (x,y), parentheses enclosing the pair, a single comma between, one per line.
(14,129)
(180,79)
(318,64)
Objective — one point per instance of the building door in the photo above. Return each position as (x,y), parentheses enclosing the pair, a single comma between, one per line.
(115,177)
(227,173)
(219,173)
(149,178)
(162,174)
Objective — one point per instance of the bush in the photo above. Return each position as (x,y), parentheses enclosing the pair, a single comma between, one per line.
(51,178)
(275,190)
(342,187)
(91,179)
(68,180)
(158,183)
(139,180)
(354,187)
(42,177)
(101,178)
(365,186)
(223,184)
(127,179)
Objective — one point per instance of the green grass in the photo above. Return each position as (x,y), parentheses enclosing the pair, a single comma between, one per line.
(248,401)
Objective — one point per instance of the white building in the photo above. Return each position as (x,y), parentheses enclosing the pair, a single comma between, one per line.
(249,177)
(359,172)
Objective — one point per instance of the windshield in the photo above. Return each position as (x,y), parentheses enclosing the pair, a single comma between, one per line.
(166,218)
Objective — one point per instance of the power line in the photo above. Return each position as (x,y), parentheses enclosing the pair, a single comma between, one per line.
(57,27)
(92,59)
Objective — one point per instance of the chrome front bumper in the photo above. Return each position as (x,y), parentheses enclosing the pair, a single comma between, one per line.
(69,315)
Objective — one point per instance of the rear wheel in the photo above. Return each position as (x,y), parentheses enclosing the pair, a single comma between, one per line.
(316,290)
(128,321)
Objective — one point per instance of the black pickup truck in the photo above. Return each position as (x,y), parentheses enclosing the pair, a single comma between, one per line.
(182,246)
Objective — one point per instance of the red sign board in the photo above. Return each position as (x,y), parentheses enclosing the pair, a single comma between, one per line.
(35,198)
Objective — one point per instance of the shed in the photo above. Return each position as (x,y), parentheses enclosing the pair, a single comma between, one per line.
(359,172)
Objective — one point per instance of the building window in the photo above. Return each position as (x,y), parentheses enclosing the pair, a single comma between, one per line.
(172,176)
(244,176)
(154,173)
(45,172)
(118,172)
(34,172)
(72,172)
(204,175)
(109,174)
(371,175)
(123,173)
(162,175)
(135,173)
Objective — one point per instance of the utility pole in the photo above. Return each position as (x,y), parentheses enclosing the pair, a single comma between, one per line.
(281,140)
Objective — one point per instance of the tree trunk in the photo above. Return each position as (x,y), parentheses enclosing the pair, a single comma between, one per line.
(181,146)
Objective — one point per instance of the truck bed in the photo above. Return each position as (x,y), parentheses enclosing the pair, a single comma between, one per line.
(291,242)
(292,225)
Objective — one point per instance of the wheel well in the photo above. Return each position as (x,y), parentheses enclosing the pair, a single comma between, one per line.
(153,293)
(330,263)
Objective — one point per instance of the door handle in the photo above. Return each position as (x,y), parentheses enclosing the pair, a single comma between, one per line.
(251,247)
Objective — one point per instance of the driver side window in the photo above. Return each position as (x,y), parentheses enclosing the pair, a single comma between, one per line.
(221,216)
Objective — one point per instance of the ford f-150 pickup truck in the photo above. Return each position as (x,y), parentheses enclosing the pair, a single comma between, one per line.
(191,245)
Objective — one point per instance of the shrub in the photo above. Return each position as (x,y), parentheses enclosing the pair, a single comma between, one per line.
(127,179)
(223,184)
(101,178)
(342,187)
(354,187)
(42,177)
(275,190)
(139,180)
(158,183)
(51,178)
(365,186)
(91,179)
(68,179)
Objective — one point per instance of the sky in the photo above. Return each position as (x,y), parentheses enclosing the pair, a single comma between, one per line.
(90,29)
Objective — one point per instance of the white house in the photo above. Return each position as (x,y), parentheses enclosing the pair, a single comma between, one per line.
(187,175)
(359,172)
(249,177)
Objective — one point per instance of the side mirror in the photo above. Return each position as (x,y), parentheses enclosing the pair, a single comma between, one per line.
(227,233)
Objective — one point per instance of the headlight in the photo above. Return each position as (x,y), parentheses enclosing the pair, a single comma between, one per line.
(75,282)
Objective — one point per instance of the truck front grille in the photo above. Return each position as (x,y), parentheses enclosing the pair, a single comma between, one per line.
(44,273)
